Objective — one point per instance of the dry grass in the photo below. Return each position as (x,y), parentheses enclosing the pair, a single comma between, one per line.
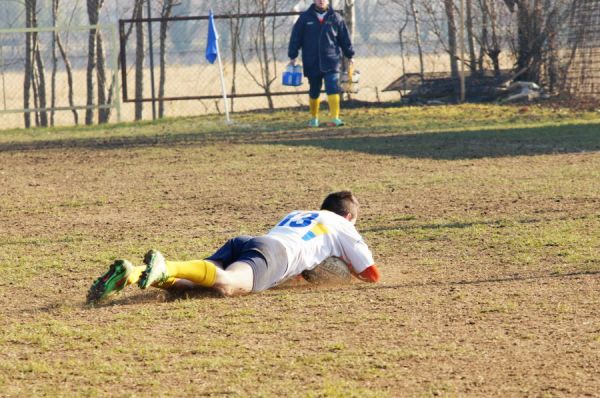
(483,220)
(203,79)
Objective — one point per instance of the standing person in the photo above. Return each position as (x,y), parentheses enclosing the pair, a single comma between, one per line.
(299,242)
(323,37)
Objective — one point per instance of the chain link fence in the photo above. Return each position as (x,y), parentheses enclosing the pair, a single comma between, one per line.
(52,87)
(172,78)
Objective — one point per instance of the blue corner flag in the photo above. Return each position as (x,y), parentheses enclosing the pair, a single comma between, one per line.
(211,45)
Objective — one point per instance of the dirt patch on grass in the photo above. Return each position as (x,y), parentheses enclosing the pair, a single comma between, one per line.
(490,269)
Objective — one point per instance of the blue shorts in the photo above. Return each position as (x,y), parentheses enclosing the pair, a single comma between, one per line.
(266,256)
(332,84)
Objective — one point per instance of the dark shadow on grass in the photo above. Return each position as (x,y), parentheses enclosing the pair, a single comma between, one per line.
(501,279)
(444,145)
(528,141)
(161,296)
(157,296)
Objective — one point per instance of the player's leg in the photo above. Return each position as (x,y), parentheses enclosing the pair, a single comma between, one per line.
(249,265)
(199,272)
(332,87)
(121,273)
(314,99)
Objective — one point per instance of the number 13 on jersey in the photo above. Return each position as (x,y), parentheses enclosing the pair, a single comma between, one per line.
(298,220)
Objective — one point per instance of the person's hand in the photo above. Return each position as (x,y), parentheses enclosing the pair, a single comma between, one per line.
(350,61)
(293,61)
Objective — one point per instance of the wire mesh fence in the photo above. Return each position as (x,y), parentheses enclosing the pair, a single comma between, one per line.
(254,54)
(162,55)
(52,88)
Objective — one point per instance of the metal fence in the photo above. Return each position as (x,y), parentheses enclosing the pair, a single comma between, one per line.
(52,77)
(254,53)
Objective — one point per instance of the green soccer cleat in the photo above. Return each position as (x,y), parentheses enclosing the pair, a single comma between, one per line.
(314,122)
(335,123)
(156,269)
(111,282)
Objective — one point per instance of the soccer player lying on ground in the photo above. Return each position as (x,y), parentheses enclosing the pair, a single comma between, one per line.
(299,242)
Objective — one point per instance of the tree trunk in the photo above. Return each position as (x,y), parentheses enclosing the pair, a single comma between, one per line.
(93,9)
(484,35)
(103,113)
(449,6)
(415,15)
(470,38)
(165,13)
(350,17)
(552,61)
(401,40)
(529,39)
(27,83)
(234,26)
(69,70)
(54,62)
(139,60)
(41,74)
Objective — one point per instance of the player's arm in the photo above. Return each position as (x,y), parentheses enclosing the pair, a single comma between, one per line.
(296,39)
(371,274)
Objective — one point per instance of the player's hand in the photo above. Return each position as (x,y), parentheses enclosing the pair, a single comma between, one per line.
(350,61)
(293,61)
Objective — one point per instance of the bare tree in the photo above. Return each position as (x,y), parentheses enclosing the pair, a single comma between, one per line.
(264,47)
(103,113)
(40,76)
(417,26)
(410,9)
(68,68)
(35,80)
(449,8)
(493,47)
(54,62)
(235,29)
(93,11)
(401,41)
(27,83)
(365,15)
(535,20)
(350,17)
(470,36)
(167,8)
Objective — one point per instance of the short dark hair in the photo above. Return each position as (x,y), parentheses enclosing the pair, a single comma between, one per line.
(341,203)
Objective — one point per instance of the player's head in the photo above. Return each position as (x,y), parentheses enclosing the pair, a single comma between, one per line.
(343,203)
(321,4)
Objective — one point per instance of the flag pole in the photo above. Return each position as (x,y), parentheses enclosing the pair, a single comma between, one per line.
(223,90)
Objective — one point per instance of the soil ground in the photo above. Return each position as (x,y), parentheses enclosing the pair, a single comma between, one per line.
(487,237)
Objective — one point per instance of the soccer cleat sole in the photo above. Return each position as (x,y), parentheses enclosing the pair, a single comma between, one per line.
(112,281)
(149,259)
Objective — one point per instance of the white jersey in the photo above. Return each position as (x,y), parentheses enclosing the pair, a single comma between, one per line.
(310,237)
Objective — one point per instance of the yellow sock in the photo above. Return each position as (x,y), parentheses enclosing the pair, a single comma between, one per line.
(334,105)
(135,275)
(313,104)
(201,272)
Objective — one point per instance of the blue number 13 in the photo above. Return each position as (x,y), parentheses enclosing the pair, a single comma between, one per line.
(302,222)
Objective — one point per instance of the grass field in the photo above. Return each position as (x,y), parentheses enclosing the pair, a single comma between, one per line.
(484,221)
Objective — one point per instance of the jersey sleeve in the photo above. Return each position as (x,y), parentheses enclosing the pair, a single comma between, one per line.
(356,252)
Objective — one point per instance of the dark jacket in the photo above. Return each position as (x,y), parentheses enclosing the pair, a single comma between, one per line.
(322,44)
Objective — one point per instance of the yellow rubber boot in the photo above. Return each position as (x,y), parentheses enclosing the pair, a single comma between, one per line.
(334,110)
(313,105)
